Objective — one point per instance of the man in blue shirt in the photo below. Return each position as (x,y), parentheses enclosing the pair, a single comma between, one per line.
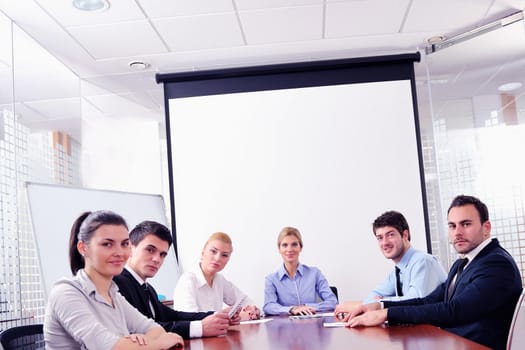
(416,273)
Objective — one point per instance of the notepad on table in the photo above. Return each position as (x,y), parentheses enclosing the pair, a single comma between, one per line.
(334,324)
(302,317)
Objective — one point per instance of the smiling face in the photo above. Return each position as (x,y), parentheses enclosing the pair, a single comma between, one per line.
(465,229)
(290,249)
(148,256)
(392,243)
(107,251)
(215,256)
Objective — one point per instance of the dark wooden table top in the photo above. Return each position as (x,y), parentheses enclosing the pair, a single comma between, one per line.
(285,333)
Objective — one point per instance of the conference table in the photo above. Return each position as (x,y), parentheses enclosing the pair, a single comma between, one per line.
(282,332)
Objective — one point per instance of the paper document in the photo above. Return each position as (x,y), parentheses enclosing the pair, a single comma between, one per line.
(334,324)
(302,317)
(262,320)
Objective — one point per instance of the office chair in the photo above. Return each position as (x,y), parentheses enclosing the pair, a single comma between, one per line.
(516,339)
(28,337)
(334,290)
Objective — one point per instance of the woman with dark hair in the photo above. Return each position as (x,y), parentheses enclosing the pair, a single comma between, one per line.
(86,311)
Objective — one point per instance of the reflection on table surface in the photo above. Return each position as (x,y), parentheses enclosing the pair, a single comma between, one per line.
(282,333)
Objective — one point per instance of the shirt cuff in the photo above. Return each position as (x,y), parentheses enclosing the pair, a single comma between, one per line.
(195,329)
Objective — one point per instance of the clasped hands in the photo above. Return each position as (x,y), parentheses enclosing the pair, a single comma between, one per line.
(302,310)
(357,314)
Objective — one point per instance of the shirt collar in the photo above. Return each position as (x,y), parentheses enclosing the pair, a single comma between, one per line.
(135,275)
(89,287)
(85,282)
(474,252)
(282,271)
(200,276)
(403,263)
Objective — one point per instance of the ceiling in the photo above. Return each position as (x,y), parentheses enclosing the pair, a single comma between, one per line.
(188,35)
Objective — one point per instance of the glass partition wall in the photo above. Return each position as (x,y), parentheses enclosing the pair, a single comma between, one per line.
(52,131)
(35,87)
(472,110)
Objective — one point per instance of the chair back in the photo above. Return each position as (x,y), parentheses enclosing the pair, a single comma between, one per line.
(516,338)
(28,337)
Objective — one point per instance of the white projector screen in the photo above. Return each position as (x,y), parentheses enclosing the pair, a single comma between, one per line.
(326,159)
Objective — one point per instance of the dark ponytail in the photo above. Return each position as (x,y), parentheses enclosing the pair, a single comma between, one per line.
(83,229)
(76,261)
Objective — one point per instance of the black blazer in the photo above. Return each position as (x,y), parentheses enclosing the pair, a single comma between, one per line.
(171,320)
(482,303)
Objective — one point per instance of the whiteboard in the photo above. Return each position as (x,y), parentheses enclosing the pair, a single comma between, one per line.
(54,208)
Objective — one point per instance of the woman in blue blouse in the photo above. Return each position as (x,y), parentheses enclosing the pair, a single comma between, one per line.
(296,288)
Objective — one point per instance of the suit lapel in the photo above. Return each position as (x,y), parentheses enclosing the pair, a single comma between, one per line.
(493,244)
(452,273)
(141,295)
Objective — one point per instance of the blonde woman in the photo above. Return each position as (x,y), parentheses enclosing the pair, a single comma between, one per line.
(205,288)
(296,288)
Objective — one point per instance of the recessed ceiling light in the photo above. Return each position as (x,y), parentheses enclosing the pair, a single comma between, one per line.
(510,86)
(91,5)
(138,65)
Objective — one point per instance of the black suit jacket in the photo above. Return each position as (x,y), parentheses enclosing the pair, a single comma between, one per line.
(481,306)
(171,320)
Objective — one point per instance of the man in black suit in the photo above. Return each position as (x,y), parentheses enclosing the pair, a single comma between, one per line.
(478,298)
(150,242)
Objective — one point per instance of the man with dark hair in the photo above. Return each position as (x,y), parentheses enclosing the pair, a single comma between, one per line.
(416,273)
(478,298)
(150,242)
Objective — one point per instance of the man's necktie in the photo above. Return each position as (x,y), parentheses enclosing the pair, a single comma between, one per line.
(149,297)
(452,286)
(398,283)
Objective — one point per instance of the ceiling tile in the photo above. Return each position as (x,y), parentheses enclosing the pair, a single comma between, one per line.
(283,24)
(445,15)
(200,32)
(173,8)
(360,18)
(124,39)
(267,4)
(65,13)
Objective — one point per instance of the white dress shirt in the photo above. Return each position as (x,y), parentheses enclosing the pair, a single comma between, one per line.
(193,294)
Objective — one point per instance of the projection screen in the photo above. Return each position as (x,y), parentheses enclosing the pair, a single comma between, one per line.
(325,147)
